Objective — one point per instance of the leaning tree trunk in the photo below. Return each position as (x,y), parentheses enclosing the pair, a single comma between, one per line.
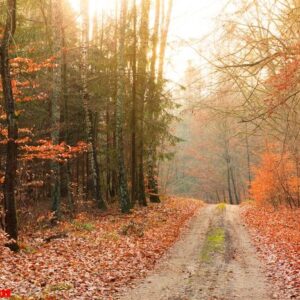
(56,12)
(85,97)
(11,224)
(120,107)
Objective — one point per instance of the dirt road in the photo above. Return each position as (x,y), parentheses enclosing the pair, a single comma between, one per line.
(214,259)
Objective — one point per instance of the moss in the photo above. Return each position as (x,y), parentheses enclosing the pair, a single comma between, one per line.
(62,286)
(29,250)
(221,207)
(214,243)
(111,236)
(84,226)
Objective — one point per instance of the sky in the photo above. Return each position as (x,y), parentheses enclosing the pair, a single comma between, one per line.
(191,20)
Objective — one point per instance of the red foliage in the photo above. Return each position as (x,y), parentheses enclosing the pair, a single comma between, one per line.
(22,90)
(277,238)
(46,150)
(286,78)
(276,180)
(97,258)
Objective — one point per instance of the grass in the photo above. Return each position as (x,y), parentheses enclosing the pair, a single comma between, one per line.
(214,243)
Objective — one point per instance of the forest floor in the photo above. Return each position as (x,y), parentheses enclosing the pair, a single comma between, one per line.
(213,260)
(222,252)
(95,255)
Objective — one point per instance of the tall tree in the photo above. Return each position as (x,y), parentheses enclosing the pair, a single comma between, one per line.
(141,91)
(134,110)
(92,149)
(11,224)
(164,37)
(156,91)
(120,107)
(56,13)
(153,103)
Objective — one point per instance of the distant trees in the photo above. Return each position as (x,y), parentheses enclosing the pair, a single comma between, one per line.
(254,102)
(264,69)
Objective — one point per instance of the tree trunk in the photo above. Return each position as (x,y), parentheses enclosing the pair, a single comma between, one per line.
(85,96)
(237,198)
(11,224)
(248,157)
(133,112)
(153,103)
(141,89)
(229,184)
(164,37)
(101,205)
(56,13)
(120,107)
(66,169)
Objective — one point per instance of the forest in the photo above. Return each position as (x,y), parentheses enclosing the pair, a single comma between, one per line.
(149,149)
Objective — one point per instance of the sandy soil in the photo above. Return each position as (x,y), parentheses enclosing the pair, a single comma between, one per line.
(214,259)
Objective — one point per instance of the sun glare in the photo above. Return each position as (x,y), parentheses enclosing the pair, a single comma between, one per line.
(191,19)
(96,6)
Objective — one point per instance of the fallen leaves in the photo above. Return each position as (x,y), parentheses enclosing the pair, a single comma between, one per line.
(98,257)
(276,234)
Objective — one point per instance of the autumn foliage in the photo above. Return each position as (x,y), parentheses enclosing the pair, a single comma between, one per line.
(276,180)
(93,258)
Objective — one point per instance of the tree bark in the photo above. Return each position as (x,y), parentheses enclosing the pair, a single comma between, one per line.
(141,89)
(56,13)
(153,103)
(229,183)
(85,97)
(248,157)
(120,107)
(133,112)
(11,223)
(164,37)
(237,198)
